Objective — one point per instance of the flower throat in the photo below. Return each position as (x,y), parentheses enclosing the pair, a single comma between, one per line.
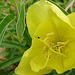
(57,47)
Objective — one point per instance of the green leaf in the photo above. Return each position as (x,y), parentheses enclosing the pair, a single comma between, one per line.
(18,9)
(10,62)
(68,3)
(11,44)
(13,2)
(21,23)
(69,10)
(73,71)
(53,72)
(3,73)
(4,53)
(3,25)
(27,37)
(14,37)
(11,53)
(12,73)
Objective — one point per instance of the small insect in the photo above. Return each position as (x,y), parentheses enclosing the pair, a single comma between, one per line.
(38,37)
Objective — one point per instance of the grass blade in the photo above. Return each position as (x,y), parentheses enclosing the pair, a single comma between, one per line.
(9,44)
(10,62)
(21,22)
(3,25)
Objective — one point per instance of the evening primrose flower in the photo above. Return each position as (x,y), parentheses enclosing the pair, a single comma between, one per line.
(53,41)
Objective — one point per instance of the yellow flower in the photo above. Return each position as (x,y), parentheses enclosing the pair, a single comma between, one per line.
(53,41)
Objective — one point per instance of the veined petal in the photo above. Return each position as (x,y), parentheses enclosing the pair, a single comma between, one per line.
(70,53)
(41,32)
(40,61)
(56,26)
(44,29)
(62,32)
(45,70)
(24,67)
(72,19)
(42,0)
(56,62)
(39,12)
(61,26)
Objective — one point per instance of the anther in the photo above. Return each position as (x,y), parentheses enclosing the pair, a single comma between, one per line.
(53,47)
(55,50)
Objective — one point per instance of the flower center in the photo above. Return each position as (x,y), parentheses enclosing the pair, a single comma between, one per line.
(57,47)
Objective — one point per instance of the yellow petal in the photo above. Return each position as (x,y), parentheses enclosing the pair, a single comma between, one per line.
(56,26)
(43,29)
(70,53)
(42,0)
(46,70)
(39,12)
(62,32)
(56,62)
(73,66)
(24,67)
(72,19)
(39,62)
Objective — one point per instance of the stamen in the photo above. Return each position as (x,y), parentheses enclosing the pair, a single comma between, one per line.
(49,34)
(52,47)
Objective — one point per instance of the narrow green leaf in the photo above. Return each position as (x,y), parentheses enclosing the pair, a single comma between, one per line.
(3,73)
(68,3)
(10,62)
(11,53)
(27,37)
(14,37)
(12,73)
(3,25)
(69,10)
(4,53)
(18,9)
(11,44)
(21,23)
(13,2)
(73,71)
